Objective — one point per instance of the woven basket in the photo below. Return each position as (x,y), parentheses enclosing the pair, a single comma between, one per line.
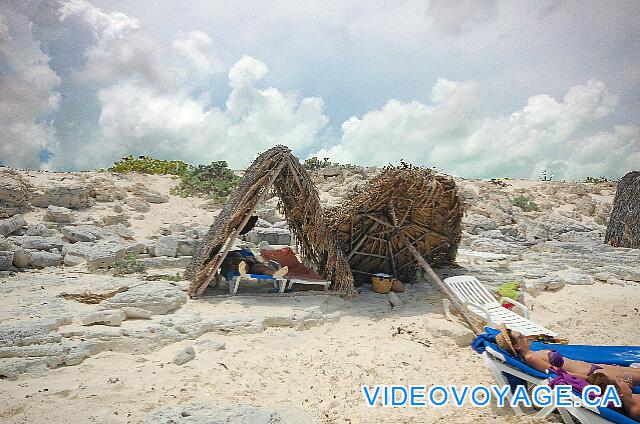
(381,284)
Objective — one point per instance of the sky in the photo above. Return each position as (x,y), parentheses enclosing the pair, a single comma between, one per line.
(473,88)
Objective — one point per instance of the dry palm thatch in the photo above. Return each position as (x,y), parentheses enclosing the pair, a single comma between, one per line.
(417,202)
(277,171)
(403,216)
(623,229)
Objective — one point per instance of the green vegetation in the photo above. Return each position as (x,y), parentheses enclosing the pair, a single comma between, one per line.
(165,277)
(601,221)
(525,204)
(215,181)
(129,265)
(148,165)
(596,180)
(315,164)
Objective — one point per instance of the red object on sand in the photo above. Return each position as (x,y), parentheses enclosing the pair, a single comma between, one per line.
(286,257)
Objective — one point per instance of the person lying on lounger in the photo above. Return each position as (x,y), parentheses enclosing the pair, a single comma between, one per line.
(518,345)
(244,262)
(630,401)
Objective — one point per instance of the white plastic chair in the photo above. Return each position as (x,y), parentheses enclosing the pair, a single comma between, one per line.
(481,303)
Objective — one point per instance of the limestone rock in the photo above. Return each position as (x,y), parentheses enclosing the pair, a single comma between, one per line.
(59,214)
(39,243)
(163,262)
(157,298)
(137,205)
(10,225)
(98,255)
(273,236)
(67,194)
(113,317)
(39,230)
(6,260)
(184,355)
(41,259)
(14,193)
(394,300)
(121,231)
(73,260)
(136,313)
(152,196)
(166,246)
(630,275)
(575,278)
(186,247)
(21,258)
(75,234)
(117,219)
(210,344)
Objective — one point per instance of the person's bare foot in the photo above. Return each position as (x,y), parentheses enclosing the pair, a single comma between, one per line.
(242,268)
(281,272)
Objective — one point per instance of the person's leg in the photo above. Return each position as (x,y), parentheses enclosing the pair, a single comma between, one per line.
(618,371)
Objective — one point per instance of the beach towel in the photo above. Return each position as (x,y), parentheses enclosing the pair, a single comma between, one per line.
(286,257)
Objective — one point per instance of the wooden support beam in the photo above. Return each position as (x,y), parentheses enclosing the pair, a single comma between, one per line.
(375,255)
(433,277)
(391,260)
(385,223)
(217,260)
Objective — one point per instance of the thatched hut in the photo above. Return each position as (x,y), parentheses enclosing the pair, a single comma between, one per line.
(416,203)
(278,172)
(623,229)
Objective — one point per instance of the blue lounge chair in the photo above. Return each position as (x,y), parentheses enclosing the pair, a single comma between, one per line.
(234,278)
(509,370)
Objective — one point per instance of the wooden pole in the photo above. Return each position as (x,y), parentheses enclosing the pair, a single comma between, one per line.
(223,253)
(433,277)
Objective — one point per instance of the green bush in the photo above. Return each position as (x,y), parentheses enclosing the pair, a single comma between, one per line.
(314,164)
(215,181)
(601,221)
(129,265)
(596,180)
(148,165)
(525,204)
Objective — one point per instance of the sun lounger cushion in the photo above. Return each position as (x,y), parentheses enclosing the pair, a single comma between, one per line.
(607,413)
(613,355)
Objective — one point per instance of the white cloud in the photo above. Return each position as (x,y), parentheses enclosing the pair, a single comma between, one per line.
(195,46)
(120,50)
(28,91)
(451,134)
(137,118)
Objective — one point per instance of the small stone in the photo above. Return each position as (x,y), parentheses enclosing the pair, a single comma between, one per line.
(394,300)
(184,355)
(177,228)
(117,208)
(616,282)
(21,258)
(604,276)
(59,214)
(116,219)
(137,205)
(630,275)
(136,313)
(210,344)
(113,317)
(153,197)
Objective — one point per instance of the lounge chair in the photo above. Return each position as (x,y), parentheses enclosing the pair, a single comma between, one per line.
(481,303)
(234,278)
(508,370)
(298,273)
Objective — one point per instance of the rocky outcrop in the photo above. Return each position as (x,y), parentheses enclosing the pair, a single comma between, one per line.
(11,225)
(59,214)
(64,193)
(14,193)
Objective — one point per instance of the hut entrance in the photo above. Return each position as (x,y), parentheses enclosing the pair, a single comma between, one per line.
(275,171)
(406,218)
